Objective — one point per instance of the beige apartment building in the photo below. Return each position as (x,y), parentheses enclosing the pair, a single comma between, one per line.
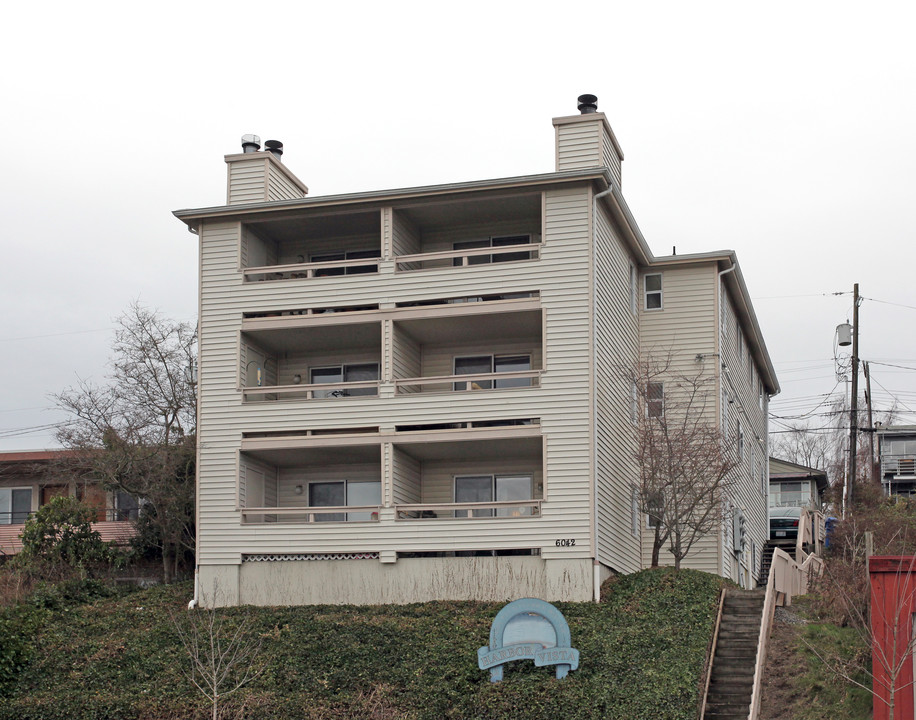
(416,394)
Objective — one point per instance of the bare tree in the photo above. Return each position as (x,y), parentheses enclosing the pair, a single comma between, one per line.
(224,654)
(137,432)
(685,463)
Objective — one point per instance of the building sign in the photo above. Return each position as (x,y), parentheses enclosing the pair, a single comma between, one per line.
(528,629)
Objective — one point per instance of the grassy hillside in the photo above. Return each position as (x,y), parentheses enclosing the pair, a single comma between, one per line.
(118,657)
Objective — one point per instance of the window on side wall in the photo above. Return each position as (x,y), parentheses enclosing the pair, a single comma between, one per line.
(740,433)
(655,506)
(655,400)
(634,510)
(634,289)
(653,291)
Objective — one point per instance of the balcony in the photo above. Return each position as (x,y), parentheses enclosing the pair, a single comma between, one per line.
(474,231)
(325,480)
(899,466)
(493,471)
(488,472)
(311,247)
(469,347)
(283,360)
(453,345)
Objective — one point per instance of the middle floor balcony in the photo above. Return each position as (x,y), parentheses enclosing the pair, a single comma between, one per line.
(450,347)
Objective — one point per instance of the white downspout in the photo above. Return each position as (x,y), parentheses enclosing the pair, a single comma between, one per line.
(596,578)
(723,371)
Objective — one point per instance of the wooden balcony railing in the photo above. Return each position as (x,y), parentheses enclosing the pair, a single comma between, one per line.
(345,513)
(311,269)
(308,391)
(500,509)
(424,261)
(899,466)
(447,383)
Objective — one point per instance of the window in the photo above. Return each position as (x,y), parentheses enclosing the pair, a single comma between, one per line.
(790,493)
(653,291)
(634,402)
(342,493)
(15,505)
(349,255)
(126,506)
(634,510)
(725,413)
(356,372)
(656,505)
(504,241)
(634,289)
(483,364)
(740,434)
(655,400)
(492,488)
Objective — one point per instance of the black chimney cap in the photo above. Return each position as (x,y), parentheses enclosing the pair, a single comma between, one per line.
(588,104)
(274,147)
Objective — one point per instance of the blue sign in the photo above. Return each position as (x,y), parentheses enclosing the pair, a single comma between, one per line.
(528,629)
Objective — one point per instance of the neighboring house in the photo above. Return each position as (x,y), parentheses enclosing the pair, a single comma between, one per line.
(29,480)
(793,485)
(418,394)
(897,453)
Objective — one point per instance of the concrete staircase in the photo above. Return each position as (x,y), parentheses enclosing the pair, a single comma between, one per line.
(732,679)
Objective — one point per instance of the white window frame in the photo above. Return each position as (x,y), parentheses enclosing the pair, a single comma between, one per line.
(725,413)
(346,483)
(489,243)
(739,430)
(494,481)
(634,402)
(493,359)
(647,293)
(342,367)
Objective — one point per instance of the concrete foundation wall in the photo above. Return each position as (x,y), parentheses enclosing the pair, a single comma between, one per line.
(369,582)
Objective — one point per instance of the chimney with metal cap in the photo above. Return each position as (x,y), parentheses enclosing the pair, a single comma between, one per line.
(256,176)
(250,143)
(274,147)
(588,104)
(586,141)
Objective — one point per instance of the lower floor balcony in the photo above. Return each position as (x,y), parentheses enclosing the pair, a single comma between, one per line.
(459,474)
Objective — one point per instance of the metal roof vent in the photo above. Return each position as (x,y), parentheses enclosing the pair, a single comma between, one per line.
(274,147)
(250,143)
(588,104)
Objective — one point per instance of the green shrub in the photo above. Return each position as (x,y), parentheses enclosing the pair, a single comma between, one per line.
(60,535)
(18,626)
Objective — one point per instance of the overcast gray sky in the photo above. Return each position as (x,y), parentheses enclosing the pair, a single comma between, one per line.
(783,130)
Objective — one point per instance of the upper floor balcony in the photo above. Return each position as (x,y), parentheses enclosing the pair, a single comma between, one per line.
(429,235)
(493,343)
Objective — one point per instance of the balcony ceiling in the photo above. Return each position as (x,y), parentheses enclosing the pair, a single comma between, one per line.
(319,227)
(476,449)
(482,209)
(502,327)
(348,455)
(327,338)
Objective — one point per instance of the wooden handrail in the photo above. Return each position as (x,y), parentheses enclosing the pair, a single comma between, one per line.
(469,252)
(311,512)
(711,653)
(309,268)
(467,379)
(401,511)
(310,388)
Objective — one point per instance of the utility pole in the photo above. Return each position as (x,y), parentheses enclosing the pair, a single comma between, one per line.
(854,404)
(871,425)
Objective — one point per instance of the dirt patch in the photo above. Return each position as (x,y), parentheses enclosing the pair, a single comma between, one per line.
(780,694)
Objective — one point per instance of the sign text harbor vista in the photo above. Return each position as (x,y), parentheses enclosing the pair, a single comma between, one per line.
(528,629)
